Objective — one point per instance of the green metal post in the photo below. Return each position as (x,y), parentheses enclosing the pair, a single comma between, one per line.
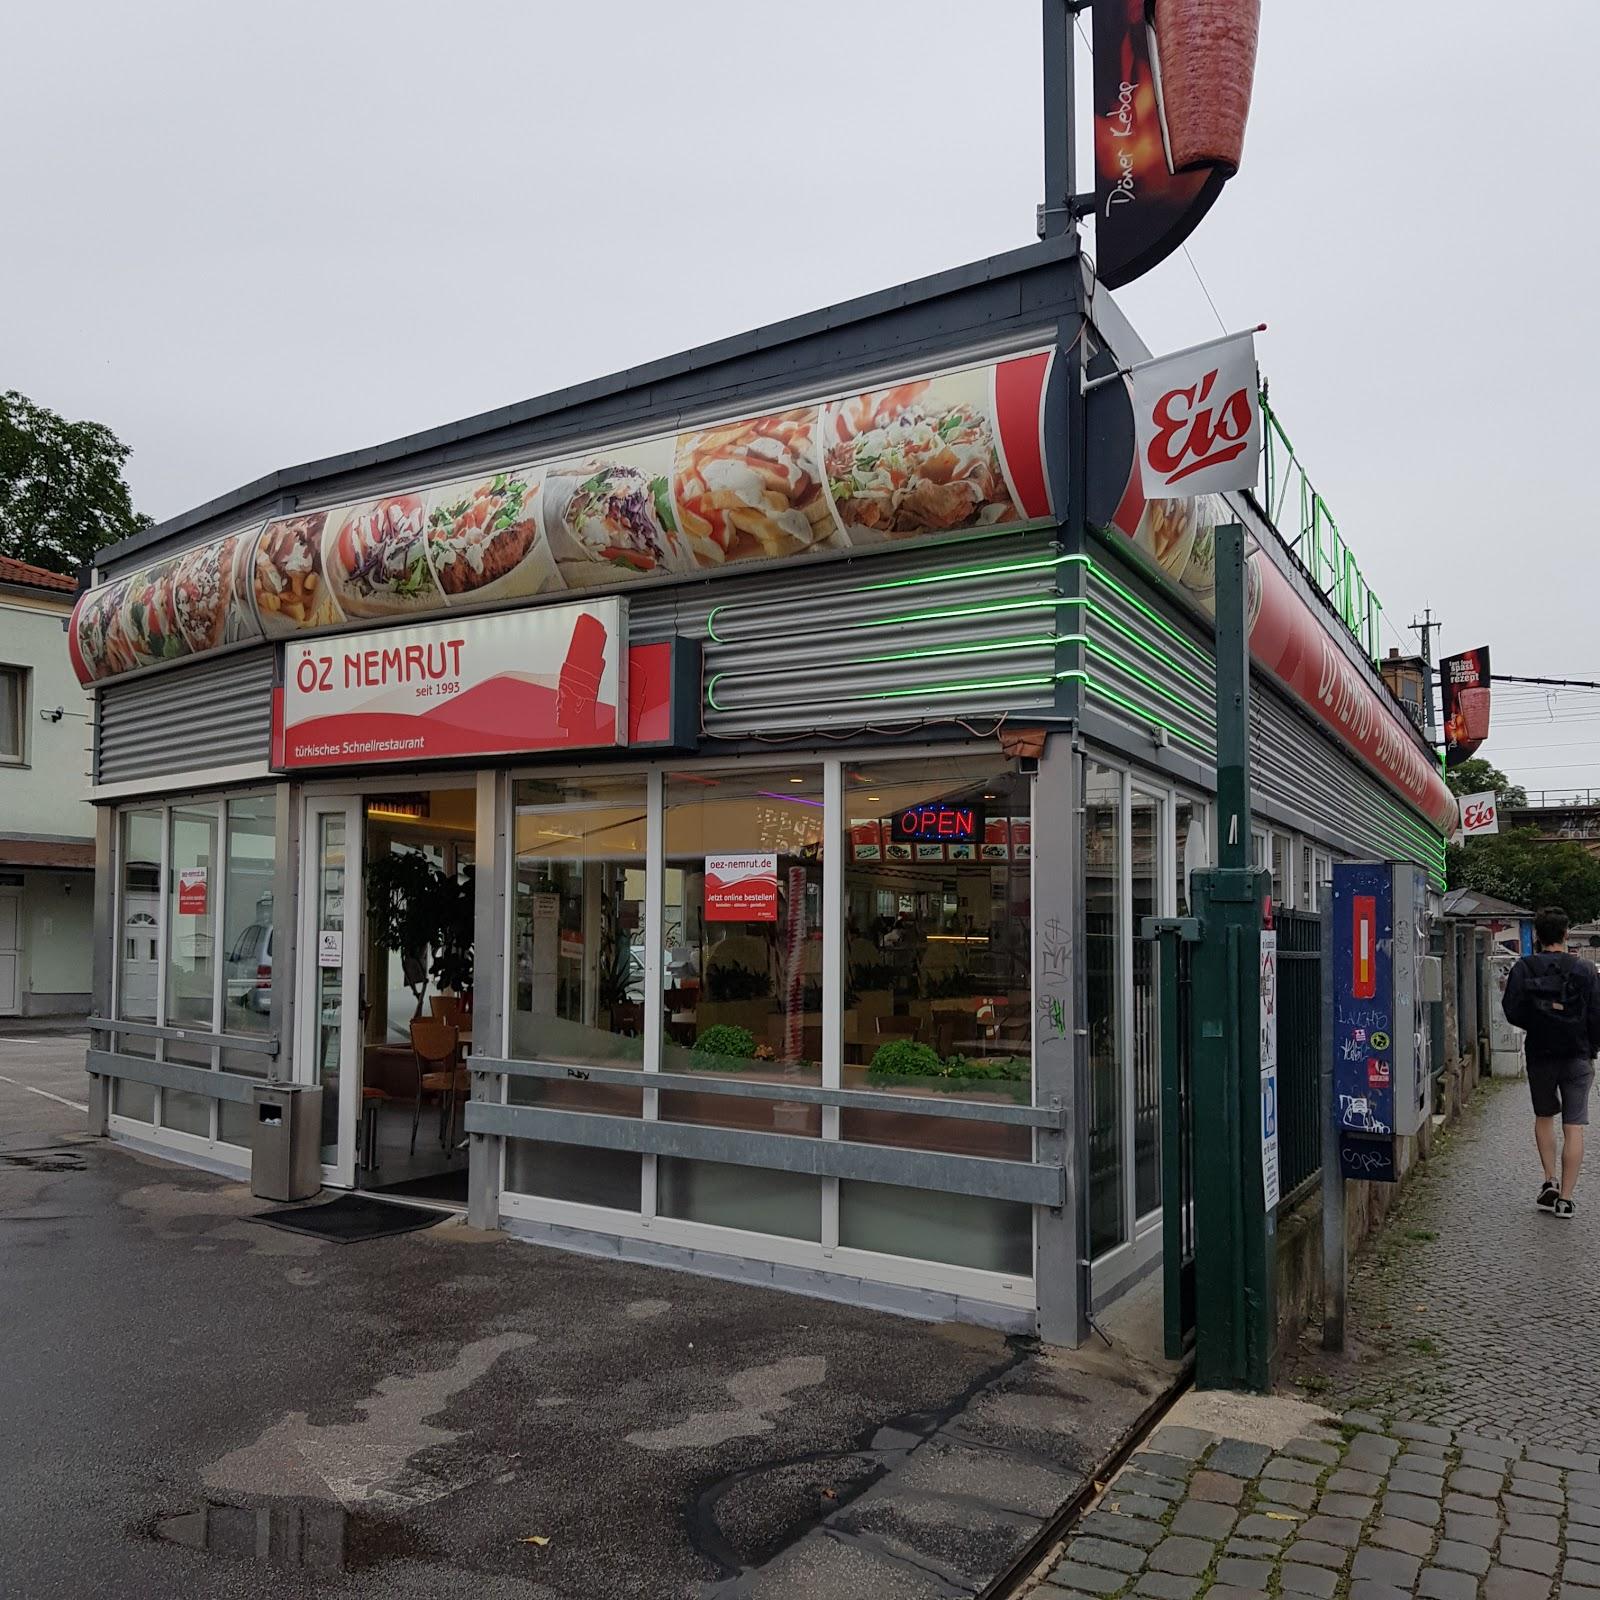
(1235,1245)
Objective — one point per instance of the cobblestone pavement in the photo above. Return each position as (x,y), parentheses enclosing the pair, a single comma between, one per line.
(1361,1509)
(1472,1309)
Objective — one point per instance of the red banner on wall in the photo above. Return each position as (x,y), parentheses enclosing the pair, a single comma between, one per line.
(1466,703)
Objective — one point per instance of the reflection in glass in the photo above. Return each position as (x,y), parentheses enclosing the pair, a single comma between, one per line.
(331,864)
(247,919)
(584,1176)
(192,919)
(1102,827)
(743,958)
(139,952)
(785,1203)
(938,931)
(1146,840)
(578,940)
(963,1230)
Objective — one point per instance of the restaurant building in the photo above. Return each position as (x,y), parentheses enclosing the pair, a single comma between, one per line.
(808,721)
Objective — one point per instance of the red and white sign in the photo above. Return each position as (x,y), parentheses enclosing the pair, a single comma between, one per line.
(1197,418)
(1480,813)
(545,679)
(191,891)
(742,888)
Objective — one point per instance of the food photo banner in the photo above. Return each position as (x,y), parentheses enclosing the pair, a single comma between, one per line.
(952,452)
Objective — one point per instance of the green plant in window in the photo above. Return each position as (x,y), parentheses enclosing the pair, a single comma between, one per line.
(407,912)
(724,1047)
(905,1058)
(732,981)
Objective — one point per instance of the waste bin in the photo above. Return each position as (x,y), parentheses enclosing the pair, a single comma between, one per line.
(286,1152)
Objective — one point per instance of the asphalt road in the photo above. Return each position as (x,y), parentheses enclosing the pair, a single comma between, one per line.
(406,1417)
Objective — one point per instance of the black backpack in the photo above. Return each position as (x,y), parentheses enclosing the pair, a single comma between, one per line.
(1559,1000)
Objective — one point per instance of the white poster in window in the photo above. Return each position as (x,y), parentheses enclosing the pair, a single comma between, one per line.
(1269,1065)
(330,947)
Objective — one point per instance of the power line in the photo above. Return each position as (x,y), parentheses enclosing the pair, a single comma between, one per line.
(1203,290)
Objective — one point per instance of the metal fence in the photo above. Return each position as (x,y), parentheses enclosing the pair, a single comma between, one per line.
(1299,1051)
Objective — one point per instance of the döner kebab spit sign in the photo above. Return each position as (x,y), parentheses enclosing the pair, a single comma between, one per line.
(951,452)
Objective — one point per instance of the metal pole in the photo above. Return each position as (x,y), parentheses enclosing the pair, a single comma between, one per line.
(1334,1264)
(1060,151)
(1235,1233)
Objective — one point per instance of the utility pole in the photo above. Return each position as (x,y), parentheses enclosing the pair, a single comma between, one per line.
(1427,627)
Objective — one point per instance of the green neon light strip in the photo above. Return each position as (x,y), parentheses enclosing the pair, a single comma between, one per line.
(1135,710)
(1148,646)
(931,651)
(991,608)
(1124,665)
(1124,593)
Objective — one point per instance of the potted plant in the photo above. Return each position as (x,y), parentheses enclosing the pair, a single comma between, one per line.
(406,913)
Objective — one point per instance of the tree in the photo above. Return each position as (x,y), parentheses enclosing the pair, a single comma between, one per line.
(1529,871)
(62,494)
(1474,776)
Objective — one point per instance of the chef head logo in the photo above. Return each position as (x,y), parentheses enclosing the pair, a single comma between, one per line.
(578,688)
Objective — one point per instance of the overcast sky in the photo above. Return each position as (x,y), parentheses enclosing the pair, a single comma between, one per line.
(245,237)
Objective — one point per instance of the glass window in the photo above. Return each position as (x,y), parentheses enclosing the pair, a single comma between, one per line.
(578,969)
(963,1230)
(785,1203)
(247,921)
(1102,821)
(1147,833)
(1308,878)
(584,1176)
(13,697)
(191,918)
(743,895)
(136,1101)
(1194,850)
(938,937)
(1282,870)
(137,972)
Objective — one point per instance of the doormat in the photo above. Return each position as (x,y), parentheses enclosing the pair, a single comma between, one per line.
(349,1219)
(447,1186)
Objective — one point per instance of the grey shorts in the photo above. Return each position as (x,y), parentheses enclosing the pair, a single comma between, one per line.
(1561,1089)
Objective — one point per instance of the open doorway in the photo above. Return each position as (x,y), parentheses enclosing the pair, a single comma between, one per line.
(418,872)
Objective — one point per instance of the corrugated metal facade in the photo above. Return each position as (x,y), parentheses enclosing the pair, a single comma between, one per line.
(1152,670)
(201,715)
(959,629)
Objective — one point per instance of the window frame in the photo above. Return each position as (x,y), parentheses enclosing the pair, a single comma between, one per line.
(23,675)
(209,1144)
(646,1222)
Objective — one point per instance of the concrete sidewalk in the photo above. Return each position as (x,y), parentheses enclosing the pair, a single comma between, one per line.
(411,1416)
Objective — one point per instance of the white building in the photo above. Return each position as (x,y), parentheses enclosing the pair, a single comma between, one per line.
(46,822)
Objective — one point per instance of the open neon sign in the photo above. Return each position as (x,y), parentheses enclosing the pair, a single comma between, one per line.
(953,824)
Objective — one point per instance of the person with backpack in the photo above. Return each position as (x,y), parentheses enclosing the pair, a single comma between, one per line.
(1555,997)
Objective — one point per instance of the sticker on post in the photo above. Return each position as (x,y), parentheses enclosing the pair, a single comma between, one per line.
(330,947)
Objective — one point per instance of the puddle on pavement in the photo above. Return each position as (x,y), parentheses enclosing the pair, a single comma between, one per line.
(45,1160)
(292,1535)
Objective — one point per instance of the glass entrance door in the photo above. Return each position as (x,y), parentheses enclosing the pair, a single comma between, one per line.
(329,991)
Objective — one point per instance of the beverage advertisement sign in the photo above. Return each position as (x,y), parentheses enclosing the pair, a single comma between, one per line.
(191,891)
(1363,1046)
(1480,813)
(1269,1066)
(949,452)
(1466,703)
(548,679)
(742,888)
(1197,416)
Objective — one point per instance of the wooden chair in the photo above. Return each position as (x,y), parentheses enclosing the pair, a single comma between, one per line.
(436,1047)
(899,1027)
(448,1008)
